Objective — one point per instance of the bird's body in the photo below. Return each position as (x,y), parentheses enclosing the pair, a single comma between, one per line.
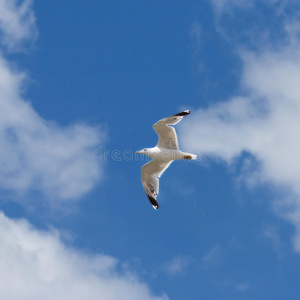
(163,154)
(167,154)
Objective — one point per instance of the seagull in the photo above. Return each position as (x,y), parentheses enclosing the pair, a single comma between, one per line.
(163,154)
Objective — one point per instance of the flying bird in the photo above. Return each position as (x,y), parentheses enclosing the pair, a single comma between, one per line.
(163,154)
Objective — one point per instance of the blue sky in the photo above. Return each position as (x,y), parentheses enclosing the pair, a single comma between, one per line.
(82,79)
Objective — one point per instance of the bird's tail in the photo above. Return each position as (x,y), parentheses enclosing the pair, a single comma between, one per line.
(186,155)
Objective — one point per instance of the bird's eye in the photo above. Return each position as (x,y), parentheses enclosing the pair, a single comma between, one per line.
(144,150)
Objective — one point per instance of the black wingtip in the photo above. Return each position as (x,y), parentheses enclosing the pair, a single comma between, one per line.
(153,202)
(183,113)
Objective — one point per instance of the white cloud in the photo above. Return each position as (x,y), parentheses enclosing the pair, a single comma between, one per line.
(36,154)
(264,122)
(40,155)
(37,265)
(17,22)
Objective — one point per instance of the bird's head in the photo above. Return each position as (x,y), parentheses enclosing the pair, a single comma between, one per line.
(144,151)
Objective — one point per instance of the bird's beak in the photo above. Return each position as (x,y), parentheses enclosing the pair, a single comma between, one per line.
(138,152)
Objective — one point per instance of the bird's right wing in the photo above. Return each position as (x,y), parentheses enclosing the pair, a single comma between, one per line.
(167,137)
(151,173)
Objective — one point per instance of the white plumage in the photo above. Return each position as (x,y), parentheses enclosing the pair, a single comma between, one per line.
(163,154)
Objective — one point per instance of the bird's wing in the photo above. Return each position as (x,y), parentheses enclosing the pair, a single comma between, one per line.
(167,137)
(150,174)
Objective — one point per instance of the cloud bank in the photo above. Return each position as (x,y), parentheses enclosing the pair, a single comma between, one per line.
(35,264)
(264,122)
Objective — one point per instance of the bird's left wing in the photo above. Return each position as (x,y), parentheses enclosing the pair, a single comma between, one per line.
(167,137)
(151,173)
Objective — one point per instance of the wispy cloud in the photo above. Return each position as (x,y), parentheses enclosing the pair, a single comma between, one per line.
(272,234)
(195,34)
(212,257)
(17,23)
(244,23)
(37,265)
(236,285)
(177,265)
(241,287)
(263,121)
(222,6)
(37,154)
(229,6)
